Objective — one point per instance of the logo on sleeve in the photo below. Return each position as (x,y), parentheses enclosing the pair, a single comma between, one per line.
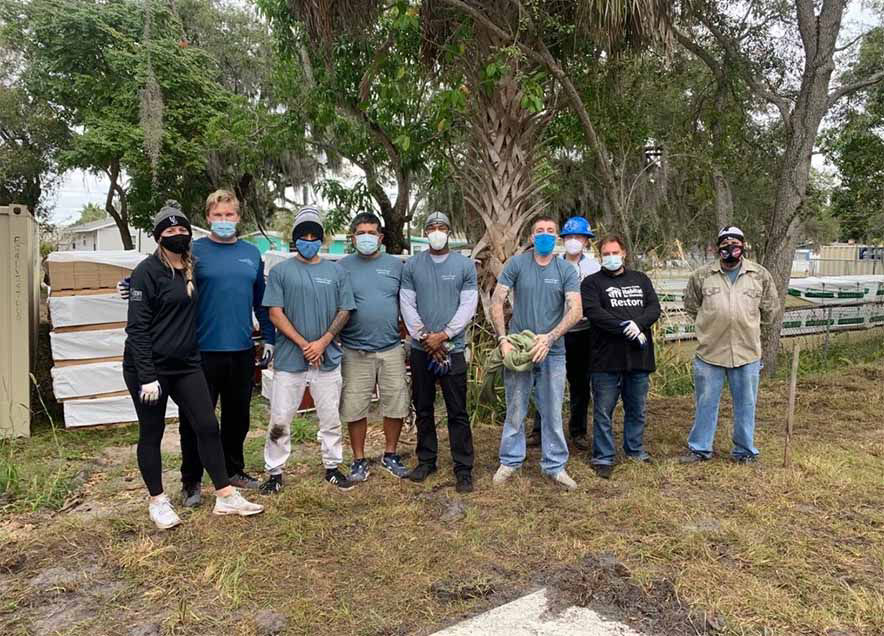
(135,295)
(629,296)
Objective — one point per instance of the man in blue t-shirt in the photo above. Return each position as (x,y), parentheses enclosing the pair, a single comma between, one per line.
(310,301)
(546,301)
(373,354)
(229,275)
(438,299)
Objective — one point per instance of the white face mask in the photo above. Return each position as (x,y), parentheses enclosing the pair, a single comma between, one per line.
(437,239)
(573,246)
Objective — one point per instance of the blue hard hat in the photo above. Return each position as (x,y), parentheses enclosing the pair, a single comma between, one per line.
(576,225)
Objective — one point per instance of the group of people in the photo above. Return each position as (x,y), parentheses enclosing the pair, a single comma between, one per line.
(335,327)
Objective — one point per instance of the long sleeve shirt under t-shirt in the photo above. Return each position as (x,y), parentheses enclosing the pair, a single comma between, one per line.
(608,301)
(161,326)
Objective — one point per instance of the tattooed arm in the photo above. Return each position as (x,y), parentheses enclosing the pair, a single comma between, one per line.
(572,315)
(498,298)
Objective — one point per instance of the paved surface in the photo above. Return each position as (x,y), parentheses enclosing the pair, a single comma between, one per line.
(527,616)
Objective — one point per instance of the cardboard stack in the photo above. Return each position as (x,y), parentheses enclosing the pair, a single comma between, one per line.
(88,335)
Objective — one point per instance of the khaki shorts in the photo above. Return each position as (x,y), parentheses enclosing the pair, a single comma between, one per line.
(363,370)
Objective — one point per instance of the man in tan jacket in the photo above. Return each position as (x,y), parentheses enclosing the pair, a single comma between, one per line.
(729,301)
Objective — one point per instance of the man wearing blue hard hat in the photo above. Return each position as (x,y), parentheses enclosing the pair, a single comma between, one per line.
(576,233)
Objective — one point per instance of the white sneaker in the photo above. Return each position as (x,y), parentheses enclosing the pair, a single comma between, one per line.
(503,473)
(236,504)
(564,479)
(162,513)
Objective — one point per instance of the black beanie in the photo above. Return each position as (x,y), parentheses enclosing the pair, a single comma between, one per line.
(170,214)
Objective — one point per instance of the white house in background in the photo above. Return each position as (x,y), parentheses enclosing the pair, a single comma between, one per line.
(104,235)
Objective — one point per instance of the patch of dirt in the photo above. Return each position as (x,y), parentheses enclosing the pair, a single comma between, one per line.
(606,586)
(463,588)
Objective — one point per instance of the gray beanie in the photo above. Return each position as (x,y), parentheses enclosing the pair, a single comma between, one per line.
(170,214)
(307,221)
(437,217)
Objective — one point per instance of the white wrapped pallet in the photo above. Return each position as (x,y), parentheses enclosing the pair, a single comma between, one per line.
(83,380)
(87,345)
(115,409)
(75,311)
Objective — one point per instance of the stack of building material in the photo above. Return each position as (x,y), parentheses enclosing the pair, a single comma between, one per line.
(88,334)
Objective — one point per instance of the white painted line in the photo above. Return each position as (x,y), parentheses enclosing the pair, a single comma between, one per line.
(528,616)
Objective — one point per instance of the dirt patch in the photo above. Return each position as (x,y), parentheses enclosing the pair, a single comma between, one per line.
(606,586)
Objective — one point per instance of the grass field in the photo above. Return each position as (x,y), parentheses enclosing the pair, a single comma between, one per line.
(712,548)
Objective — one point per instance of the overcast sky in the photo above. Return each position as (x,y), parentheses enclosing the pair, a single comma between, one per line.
(79,188)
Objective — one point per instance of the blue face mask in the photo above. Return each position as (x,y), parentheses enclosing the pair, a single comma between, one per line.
(366,244)
(308,249)
(544,243)
(612,262)
(223,229)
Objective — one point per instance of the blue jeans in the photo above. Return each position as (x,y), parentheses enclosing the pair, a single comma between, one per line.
(606,389)
(708,384)
(547,379)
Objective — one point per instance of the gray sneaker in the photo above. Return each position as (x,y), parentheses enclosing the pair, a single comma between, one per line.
(244,481)
(359,470)
(393,465)
(191,496)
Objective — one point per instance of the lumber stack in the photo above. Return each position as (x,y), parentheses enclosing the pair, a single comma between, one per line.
(88,335)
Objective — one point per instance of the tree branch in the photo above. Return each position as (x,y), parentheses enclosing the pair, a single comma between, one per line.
(853,87)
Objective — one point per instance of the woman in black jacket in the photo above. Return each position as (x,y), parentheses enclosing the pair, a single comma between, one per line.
(162,360)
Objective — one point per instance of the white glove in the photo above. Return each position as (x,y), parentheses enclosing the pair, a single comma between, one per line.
(266,355)
(150,393)
(631,330)
(642,340)
(123,288)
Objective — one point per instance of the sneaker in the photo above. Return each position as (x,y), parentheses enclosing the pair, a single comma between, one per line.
(564,479)
(244,481)
(503,473)
(359,470)
(603,470)
(692,458)
(336,478)
(745,459)
(272,486)
(533,440)
(580,442)
(236,504)
(162,513)
(393,464)
(191,495)
(640,459)
(421,472)
(464,483)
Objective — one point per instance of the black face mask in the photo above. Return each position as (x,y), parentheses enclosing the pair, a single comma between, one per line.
(177,244)
(731,253)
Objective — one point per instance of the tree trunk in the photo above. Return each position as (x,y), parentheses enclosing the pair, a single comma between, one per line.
(121,216)
(819,34)
(724,198)
(499,178)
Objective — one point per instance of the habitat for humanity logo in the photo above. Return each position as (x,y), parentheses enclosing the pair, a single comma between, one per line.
(630,296)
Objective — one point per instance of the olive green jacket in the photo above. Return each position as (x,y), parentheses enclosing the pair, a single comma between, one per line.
(728,317)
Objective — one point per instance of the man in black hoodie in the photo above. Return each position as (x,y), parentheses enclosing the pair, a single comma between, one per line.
(621,306)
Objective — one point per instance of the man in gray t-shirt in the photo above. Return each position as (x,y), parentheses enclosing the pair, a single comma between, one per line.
(546,301)
(373,351)
(438,299)
(310,302)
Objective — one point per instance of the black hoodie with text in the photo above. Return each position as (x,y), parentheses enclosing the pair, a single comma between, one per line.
(608,301)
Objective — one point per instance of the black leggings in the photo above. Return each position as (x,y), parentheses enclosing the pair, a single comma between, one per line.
(191,393)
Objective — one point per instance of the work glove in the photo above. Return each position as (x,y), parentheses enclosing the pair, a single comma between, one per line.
(150,393)
(266,356)
(642,340)
(439,368)
(123,288)
(630,329)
